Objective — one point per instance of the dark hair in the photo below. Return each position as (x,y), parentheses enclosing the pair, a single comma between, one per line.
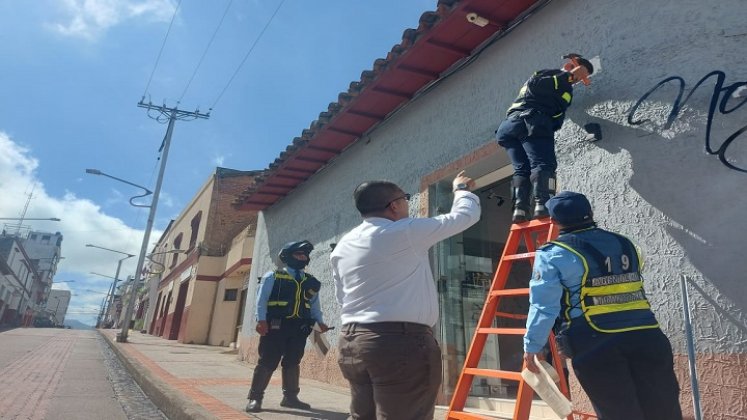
(586,63)
(373,196)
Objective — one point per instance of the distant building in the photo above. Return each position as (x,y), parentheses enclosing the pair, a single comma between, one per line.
(200,265)
(57,305)
(19,288)
(44,249)
(28,263)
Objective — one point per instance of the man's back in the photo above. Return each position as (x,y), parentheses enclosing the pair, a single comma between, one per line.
(384,276)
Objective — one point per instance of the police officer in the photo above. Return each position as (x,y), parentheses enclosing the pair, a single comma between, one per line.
(528,133)
(590,280)
(286,309)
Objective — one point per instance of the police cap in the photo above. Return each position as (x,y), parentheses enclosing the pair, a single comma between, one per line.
(570,208)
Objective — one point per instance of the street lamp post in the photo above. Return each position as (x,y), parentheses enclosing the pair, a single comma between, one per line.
(122,336)
(104,306)
(119,266)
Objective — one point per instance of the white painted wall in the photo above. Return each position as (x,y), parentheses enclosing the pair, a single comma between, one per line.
(653,183)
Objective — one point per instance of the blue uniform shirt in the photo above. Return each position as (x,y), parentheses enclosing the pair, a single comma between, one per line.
(263,296)
(554,267)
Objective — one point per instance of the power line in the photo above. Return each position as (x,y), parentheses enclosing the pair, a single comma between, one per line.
(155,65)
(204,53)
(256,41)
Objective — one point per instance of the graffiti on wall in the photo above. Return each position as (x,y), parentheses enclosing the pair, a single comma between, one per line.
(720,98)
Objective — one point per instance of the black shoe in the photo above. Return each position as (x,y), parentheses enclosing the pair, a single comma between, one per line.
(520,216)
(254,406)
(540,211)
(294,402)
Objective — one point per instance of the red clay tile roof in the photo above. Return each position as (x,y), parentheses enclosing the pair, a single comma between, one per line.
(443,38)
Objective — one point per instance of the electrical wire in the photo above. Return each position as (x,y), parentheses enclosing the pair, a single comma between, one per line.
(256,41)
(204,53)
(163,44)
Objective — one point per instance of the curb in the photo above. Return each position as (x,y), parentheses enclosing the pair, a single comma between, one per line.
(172,403)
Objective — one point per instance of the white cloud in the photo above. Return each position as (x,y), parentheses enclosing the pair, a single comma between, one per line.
(83,221)
(218,160)
(88,19)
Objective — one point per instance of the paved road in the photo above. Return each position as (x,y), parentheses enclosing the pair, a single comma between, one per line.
(60,374)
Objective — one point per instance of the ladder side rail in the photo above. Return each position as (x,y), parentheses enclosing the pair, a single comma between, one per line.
(489,314)
(461,391)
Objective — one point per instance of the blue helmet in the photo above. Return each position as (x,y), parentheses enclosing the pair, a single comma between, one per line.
(286,252)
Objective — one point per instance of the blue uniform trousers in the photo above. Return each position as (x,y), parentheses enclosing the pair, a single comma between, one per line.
(288,342)
(627,375)
(529,141)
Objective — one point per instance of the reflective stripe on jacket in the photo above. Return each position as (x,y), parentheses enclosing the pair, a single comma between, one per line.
(611,296)
(291,298)
(547,91)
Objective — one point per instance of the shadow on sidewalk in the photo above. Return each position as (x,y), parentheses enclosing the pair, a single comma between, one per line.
(313,414)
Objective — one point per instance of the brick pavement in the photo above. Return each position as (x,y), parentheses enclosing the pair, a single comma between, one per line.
(216,381)
(27,385)
(189,381)
(62,374)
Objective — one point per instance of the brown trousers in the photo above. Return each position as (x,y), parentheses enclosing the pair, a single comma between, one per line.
(394,370)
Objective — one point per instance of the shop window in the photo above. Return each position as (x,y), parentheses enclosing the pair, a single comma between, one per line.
(230,295)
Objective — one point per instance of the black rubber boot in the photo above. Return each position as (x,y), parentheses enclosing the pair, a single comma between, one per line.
(520,191)
(291,389)
(543,183)
(260,380)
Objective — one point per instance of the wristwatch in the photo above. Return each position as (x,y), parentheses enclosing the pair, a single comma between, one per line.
(461,187)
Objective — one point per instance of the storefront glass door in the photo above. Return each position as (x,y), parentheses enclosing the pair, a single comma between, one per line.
(463,267)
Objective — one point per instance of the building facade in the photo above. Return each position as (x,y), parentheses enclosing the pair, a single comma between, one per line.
(669,101)
(44,249)
(207,253)
(57,305)
(29,263)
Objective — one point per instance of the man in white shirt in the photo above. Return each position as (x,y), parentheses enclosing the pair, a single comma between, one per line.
(389,300)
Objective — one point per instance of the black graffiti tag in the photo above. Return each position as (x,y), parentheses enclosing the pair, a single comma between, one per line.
(724,93)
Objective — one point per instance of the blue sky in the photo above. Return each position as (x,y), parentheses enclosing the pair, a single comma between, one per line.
(73,71)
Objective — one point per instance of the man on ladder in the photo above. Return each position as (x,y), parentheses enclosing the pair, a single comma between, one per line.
(528,133)
(590,280)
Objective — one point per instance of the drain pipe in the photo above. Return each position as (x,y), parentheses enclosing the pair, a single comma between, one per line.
(690,349)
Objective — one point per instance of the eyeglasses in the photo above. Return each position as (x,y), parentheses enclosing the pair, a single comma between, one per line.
(405,196)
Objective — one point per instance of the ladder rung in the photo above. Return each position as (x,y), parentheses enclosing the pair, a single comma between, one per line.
(524,291)
(463,415)
(522,256)
(510,315)
(533,225)
(508,331)
(493,373)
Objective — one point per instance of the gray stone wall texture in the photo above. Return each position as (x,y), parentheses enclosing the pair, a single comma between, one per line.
(670,172)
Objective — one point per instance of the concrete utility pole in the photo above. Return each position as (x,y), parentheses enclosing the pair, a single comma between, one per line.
(173,114)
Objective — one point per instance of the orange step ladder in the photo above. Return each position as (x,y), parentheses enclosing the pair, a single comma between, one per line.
(533,234)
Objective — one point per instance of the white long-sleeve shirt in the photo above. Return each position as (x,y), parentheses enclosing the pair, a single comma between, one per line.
(381,268)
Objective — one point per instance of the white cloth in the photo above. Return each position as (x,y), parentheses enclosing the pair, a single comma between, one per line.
(381,268)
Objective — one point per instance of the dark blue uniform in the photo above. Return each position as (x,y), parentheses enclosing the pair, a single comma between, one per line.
(590,280)
(528,135)
(288,300)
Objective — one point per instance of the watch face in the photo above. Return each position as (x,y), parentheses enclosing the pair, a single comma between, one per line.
(461,186)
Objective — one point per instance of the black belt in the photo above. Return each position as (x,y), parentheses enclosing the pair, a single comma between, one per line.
(388,327)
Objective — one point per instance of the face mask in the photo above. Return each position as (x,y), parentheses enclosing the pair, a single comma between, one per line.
(296,264)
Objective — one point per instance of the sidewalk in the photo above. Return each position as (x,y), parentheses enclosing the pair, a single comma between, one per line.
(188,381)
